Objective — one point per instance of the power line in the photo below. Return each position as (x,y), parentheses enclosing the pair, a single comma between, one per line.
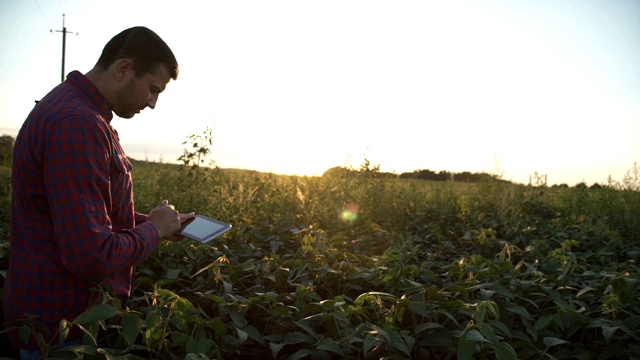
(63,6)
(42,12)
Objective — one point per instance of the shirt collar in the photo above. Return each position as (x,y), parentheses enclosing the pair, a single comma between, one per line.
(81,81)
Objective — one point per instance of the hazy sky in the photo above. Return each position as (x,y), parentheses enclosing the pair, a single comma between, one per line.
(296,87)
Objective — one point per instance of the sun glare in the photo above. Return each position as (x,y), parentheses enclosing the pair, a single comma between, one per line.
(350,212)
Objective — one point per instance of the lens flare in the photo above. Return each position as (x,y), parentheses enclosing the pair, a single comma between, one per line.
(350,212)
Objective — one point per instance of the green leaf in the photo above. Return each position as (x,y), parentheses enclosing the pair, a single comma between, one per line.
(502,327)
(520,311)
(166,294)
(609,331)
(466,348)
(299,354)
(218,326)
(475,335)
(184,307)
(107,354)
(628,331)
(242,335)
(488,333)
(179,339)
(440,337)
(486,294)
(298,337)
(500,289)
(542,322)
(273,337)
(238,319)
(331,345)
(254,334)
(373,295)
(397,342)
(428,326)
(173,273)
(78,349)
(553,341)
(504,351)
(89,332)
(584,290)
(201,346)
(275,349)
(96,313)
(131,327)
(24,332)
(419,308)
(370,341)
(215,298)
(228,287)
(305,327)
(493,307)
(408,339)
(64,330)
(481,310)
(383,333)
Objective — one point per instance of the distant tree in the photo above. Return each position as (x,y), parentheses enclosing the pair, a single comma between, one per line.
(6,150)
(581,185)
(464,176)
(335,172)
(443,175)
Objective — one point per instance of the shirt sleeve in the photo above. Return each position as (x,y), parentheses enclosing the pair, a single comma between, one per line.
(76,168)
(140,218)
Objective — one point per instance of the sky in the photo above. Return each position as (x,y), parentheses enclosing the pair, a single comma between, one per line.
(514,87)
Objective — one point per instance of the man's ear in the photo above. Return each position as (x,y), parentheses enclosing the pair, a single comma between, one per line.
(123,69)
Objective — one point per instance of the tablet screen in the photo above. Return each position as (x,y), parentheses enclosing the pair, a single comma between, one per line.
(203,229)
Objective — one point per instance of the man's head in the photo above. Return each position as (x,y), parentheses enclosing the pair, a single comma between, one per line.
(144,47)
(134,68)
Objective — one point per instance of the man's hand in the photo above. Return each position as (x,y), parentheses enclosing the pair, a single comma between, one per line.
(166,219)
(183,218)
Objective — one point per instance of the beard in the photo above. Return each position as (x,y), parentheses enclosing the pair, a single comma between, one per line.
(125,106)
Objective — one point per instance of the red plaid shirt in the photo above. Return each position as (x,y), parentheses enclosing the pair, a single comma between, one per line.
(73,223)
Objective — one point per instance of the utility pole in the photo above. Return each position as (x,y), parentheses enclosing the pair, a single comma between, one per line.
(64,45)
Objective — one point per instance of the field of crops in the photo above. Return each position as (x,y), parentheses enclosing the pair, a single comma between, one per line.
(356,266)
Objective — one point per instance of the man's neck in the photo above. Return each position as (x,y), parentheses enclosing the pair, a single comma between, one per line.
(98,78)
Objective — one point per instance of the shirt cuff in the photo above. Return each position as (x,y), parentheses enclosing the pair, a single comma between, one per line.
(140,218)
(148,231)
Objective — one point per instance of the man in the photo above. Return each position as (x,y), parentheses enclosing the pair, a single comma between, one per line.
(73,223)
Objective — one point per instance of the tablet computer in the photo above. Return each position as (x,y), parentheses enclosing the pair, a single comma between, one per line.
(203,229)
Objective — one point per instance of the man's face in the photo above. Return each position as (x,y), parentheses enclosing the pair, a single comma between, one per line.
(138,93)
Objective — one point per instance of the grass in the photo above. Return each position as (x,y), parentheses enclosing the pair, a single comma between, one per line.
(364,267)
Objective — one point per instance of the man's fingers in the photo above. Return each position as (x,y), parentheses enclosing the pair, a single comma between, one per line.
(166,203)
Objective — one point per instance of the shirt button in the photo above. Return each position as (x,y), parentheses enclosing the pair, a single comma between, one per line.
(92,208)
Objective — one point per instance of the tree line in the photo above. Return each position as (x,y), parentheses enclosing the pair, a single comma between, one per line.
(443,175)
(6,151)
(423,174)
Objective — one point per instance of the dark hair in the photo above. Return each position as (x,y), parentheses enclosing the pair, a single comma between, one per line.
(144,47)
